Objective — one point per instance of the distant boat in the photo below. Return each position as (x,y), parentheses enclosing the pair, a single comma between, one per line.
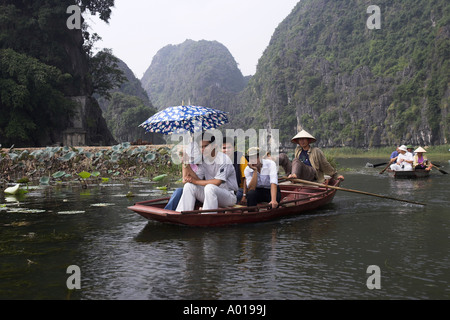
(296,199)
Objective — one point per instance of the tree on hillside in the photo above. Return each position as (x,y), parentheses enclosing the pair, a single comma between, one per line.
(42,63)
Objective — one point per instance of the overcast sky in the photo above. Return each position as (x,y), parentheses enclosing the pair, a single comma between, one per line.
(139,28)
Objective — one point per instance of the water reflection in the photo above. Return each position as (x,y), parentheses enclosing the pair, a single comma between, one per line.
(320,256)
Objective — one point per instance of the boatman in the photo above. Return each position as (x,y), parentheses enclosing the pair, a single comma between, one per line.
(309,162)
(214,183)
(261,176)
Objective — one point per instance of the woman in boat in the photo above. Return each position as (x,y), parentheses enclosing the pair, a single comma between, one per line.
(214,183)
(191,156)
(309,162)
(404,161)
(420,160)
(261,176)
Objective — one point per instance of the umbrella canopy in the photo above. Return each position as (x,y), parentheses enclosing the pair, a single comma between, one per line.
(182,119)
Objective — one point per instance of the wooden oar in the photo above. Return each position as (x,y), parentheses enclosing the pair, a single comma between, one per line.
(354,191)
(440,170)
(379,164)
(382,171)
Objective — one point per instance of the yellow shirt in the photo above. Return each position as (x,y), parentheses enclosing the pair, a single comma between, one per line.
(242,165)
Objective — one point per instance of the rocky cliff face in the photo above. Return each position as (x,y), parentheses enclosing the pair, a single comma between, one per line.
(199,72)
(326,72)
(87,126)
(37,33)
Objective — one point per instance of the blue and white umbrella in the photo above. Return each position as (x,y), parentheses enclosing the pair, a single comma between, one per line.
(184,119)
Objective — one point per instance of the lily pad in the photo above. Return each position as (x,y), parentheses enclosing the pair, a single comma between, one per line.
(84,174)
(68,156)
(102,204)
(89,155)
(149,157)
(160,177)
(25,210)
(95,174)
(71,212)
(44,180)
(59,174)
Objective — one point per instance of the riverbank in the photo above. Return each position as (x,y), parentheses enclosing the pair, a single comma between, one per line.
(126,161)
(50,164)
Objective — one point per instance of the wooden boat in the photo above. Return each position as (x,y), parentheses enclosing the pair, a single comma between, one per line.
(415,174)
(295,199)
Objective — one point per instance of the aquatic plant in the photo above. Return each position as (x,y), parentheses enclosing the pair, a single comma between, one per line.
(122,161)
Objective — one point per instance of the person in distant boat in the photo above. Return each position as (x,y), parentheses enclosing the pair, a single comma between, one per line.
(420,160)
(309,162)
(261,176)
(394,154)
(410,149)
(214,183)
(239,163)
(404,160)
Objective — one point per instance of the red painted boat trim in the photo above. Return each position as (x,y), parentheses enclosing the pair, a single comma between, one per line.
(295,200)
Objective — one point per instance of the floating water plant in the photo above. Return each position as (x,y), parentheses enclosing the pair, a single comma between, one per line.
(59,174)
(84,175)
(102,204)
(71,212)
(44,180)
(160,177)
(12,190)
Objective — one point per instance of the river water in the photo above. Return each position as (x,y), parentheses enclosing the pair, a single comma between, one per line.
(322,255)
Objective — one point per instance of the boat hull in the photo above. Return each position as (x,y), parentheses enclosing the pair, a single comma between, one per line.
(295,200)
(416,174)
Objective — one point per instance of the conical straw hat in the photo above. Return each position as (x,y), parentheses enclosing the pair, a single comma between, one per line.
(303,134)
(420,149)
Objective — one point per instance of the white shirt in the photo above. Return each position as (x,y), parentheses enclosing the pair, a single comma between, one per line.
(407,156)
(222,169)
(267,176)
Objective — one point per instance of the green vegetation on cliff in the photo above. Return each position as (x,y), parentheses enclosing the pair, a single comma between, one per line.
(202,72)
(326,72)
(44,64)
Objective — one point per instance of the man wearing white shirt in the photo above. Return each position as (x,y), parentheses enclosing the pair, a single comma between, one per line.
(214,183)
(261,176)
(404,160)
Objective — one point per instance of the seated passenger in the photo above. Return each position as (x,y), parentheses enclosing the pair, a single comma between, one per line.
(239,163)
(190,155)
(214,183)
(262,180)
(404,160)
(394,154)
(421,161)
